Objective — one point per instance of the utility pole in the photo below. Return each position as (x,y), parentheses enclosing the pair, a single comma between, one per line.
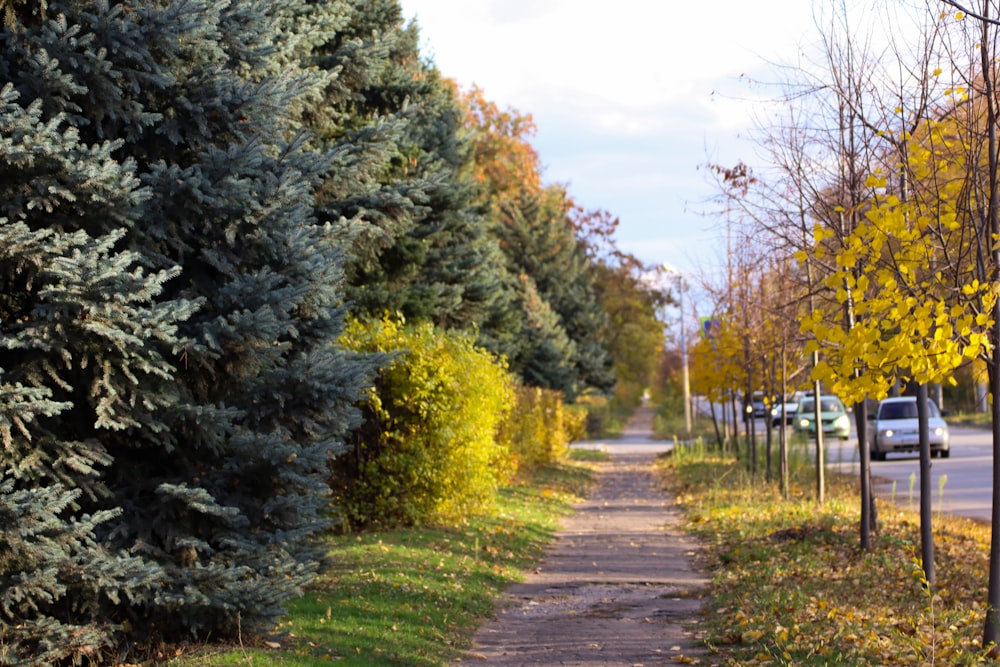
(685,375)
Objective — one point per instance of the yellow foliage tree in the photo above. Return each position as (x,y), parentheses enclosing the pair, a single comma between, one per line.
(717,368)
(918,310)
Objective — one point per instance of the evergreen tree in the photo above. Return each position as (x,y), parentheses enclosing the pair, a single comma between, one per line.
(81,366)
(427,252)
(539,241)
(545,355)
(224,496)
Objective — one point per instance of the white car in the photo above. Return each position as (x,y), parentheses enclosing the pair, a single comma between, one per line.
(789,414)
(791,405)
(894,428)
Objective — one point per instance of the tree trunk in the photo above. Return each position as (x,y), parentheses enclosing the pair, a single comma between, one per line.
(926,532)
(715,425)
(736,424)
(868,521)
(783,434)
(991,631)
(750,420)
(820,454)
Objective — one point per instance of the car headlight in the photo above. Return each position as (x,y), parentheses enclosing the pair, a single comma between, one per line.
(939,431)
(888,433)
(842,421)
(804,423)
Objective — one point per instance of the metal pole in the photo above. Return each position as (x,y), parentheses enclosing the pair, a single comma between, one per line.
(684,363)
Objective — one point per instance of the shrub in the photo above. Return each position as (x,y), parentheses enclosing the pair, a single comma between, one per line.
(599,415)
(575,420)
(428,449)
(540,427)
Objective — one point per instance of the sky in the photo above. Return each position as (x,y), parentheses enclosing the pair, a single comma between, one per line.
(631,98)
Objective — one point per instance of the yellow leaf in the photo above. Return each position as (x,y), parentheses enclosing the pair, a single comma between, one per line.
(874,181)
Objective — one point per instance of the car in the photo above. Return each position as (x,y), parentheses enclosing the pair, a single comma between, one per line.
(833,417)
(791,403)
(789,414)
(893,427)
(756,408)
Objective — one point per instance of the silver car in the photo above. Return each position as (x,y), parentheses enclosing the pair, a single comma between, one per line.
(895,428)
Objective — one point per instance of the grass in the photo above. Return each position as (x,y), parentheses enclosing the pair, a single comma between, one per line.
(791,585)
(983,419)
(668,425)
(415,596)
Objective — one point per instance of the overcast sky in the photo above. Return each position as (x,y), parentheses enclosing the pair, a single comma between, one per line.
(630,97)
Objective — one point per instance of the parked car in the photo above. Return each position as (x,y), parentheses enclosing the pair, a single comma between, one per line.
(833,417)
(894,428)
(755,408)
(791,404)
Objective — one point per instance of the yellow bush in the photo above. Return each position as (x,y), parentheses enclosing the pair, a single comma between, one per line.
(540,426)
(428,450)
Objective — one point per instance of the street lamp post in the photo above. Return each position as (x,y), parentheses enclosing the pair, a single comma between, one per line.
(685,378)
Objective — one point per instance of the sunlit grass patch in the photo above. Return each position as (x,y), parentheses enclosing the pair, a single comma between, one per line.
(588,454)
(791,584)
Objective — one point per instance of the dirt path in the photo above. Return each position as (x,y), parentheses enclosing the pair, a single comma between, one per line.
(619,586)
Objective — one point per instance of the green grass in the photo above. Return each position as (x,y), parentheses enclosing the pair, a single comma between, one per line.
(414,596)
(791,585)
(668,425)
(970,419)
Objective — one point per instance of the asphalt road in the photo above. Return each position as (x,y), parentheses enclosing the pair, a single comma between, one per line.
(967,488)
(967,474)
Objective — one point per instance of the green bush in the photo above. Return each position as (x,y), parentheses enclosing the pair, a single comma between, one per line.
(428,449)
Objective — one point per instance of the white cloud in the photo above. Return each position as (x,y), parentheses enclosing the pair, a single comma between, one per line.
(630,97)
(520,11)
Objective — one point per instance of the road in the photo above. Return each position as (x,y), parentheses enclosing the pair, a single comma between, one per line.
(966,490)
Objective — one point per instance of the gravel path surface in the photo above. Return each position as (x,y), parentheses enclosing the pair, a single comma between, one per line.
(618,587)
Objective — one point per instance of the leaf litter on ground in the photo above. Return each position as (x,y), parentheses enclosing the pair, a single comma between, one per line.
(791,585)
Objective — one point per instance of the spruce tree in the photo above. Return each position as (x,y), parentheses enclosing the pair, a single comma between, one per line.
(539,241)
(82,364)
(427,251)
(225,497)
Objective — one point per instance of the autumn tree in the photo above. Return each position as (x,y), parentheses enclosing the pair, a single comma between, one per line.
(537,229)
(506,163)
(971,110)
(633,330)
(716,371)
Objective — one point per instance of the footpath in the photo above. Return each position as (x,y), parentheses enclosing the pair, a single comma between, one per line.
(619,585)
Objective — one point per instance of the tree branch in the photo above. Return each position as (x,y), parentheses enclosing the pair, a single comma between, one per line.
(974,15)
